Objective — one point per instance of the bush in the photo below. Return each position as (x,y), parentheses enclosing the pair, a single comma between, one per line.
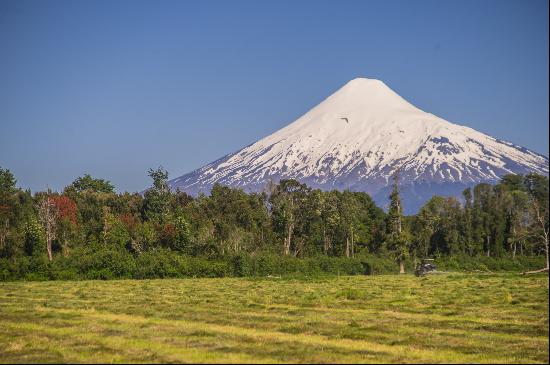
(66,274)
(375,265)
(265,265)
(495,264)
(101,263)
(100,274)
(36,276)
(39,269)
(242,265)
(156,264)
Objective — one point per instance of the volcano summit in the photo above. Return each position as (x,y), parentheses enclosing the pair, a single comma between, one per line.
(357,138)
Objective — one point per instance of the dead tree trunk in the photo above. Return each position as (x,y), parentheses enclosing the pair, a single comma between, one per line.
(288,239)
(352,243)
(325,241)
(47,213)
(544,235)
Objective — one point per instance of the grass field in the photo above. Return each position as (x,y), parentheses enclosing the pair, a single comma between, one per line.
(440,318)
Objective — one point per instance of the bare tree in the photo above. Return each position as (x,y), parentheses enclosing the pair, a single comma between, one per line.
(541,229)
(48,215)
(289,215)
(541,221)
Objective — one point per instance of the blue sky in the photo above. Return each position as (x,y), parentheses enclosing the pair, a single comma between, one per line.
(112,88)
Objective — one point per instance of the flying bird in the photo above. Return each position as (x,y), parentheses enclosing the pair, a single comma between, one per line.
(346,119)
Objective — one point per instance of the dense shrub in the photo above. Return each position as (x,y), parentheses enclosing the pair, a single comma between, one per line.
(156,264)
(265,265)
(242,265)
(317,265)
(484,263)
(202,267)
(376,265)
(106,264)
(103,263)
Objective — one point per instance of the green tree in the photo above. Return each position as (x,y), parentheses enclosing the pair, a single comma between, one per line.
(518,216)
(116,234)
(8,204)
(182,232)
(34,237)
(157,199)
(89,183)
(466,222)
(397,240)
(287,203)
(537,187)
(484,216)
(427,223)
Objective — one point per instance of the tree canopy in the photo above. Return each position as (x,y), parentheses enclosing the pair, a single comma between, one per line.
(288,219)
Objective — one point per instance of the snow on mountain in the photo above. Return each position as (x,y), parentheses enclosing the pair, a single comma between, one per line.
(357,138)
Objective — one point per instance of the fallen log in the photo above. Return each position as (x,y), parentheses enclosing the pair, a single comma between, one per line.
(534,271)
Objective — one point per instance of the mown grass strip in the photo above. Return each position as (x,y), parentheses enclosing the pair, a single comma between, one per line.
(394,352)
(458,318)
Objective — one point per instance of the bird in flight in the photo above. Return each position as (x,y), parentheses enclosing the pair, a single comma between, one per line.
(346,119)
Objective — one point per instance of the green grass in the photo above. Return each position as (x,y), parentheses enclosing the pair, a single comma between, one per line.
(440,318)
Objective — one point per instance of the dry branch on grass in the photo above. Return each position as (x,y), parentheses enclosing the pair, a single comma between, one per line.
(535,271)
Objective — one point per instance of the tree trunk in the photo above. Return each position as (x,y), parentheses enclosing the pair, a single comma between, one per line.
(542,218)
(399,219)
(401,266)
(325,241)
(545,237)
(521,248)
(65,247)
(547,266)
(352,243)
(49,248)
(299,248)
(49,241)
(514,244)
(288,239)
(262,236)
(48,216)
(347,246)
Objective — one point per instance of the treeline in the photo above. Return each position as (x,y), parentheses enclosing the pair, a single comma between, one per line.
(89,231)
(506,219)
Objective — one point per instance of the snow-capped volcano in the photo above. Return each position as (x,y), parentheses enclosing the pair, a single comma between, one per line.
(357,138)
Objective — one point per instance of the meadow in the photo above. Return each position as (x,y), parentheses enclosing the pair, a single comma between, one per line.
(454,317)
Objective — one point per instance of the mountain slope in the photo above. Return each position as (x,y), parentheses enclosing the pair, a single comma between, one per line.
(357,138)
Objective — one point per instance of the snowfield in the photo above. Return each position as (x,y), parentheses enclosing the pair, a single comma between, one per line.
(357,138)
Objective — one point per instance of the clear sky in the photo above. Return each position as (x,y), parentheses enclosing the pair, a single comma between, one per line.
(112,88)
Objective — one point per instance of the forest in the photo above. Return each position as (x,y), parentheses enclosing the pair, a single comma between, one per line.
(88,231)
